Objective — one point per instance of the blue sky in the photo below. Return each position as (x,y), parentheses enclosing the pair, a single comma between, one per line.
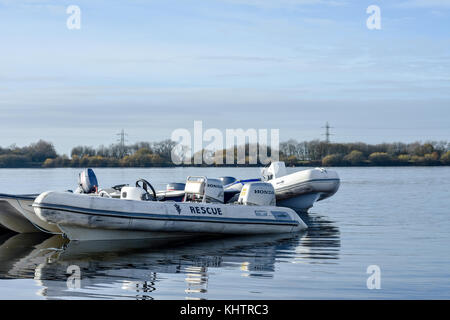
(154,66)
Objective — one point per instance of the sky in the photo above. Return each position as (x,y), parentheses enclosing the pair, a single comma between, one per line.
(150,67)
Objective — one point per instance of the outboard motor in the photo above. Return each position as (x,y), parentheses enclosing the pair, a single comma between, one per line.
(87,182)
(257,194)
(227,180)
(214,191)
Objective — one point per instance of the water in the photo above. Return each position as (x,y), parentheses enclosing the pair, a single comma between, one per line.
(395,218)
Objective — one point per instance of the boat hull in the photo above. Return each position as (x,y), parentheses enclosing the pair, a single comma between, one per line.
(20,216)
(90,234)
(299,191)
(300,204)
(92,218)
(11,218)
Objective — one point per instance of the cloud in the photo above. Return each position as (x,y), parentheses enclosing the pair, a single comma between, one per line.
(36,5)
(243,58)
(286,3)
(424,4)
(319,21)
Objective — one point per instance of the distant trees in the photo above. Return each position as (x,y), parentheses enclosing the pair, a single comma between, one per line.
(40,151)
(29,156)
(294,153)
(140,154)
(81,151)
(362,154)
(13,161)
(380,158)
(445,158)
(332,160)
(355,158)
(142,158)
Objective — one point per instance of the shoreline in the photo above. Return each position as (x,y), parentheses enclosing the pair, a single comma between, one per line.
(234,166)
(161,155)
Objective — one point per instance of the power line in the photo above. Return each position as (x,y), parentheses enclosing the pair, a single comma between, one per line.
(122,141)
(327,133)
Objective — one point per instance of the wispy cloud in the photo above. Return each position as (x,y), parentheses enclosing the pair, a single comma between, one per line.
(51,6)
(424,4)
(286,3)
(243,58)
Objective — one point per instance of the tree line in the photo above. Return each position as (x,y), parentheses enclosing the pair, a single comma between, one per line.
(294,153)
(363,154)
(33,155)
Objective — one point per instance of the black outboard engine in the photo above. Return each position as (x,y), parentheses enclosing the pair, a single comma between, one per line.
(227,180)
(87,181)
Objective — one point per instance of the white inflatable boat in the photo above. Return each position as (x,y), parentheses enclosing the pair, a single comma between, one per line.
(137,214)
(298,190)
(16,211)
(18,215)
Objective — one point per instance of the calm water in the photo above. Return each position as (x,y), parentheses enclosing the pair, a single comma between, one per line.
(395,218)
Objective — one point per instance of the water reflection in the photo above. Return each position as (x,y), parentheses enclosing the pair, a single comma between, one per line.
(322,240)
(138,269)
